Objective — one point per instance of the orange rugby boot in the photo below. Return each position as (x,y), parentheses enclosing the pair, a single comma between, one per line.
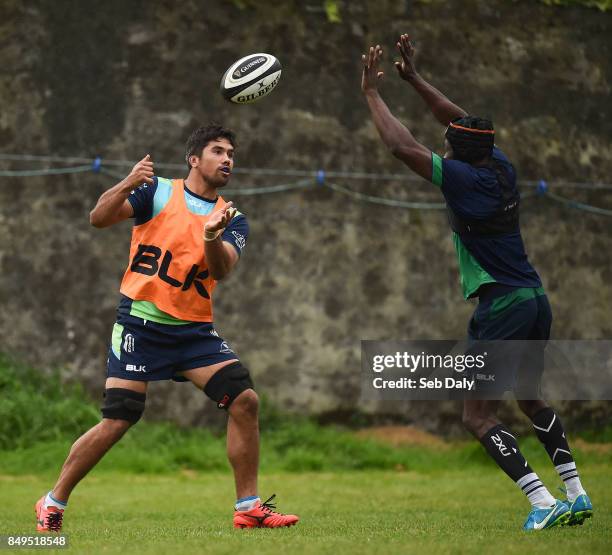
(262,515)
(49,519)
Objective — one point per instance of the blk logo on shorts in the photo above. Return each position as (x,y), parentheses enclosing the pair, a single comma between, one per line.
(135,368)
(128,343)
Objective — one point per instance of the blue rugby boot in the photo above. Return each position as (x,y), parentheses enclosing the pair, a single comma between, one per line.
(581,509)
(540,519)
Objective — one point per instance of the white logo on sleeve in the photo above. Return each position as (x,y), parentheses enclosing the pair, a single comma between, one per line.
(225,348)
(128,343)
(240,240)
(143,186)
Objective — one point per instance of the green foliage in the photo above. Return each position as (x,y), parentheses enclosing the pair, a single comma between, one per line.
(40,417)
(36,406)
(603,5)
(598,435)
(296,445)
(332,10)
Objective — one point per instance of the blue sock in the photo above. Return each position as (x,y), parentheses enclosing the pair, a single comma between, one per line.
(246,503)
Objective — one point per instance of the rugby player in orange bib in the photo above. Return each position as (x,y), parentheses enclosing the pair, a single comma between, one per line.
(185,238)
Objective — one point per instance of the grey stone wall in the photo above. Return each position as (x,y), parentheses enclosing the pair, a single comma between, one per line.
(321,271)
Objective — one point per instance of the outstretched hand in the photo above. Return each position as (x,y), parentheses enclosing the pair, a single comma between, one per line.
(371,70)
(406,68)
(220,219)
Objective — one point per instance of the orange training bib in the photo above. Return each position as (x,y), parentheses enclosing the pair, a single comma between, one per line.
(167,262)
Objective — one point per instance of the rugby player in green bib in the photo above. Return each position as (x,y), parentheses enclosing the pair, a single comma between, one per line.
(478,183)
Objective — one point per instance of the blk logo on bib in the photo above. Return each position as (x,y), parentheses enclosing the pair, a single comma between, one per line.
(146,261)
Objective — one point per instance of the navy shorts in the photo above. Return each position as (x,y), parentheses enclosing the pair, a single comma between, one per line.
(519,322)
(147,351)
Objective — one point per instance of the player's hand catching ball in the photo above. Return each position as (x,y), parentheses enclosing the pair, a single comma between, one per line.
(406,68)
(218,222)
(371,71)
(141,173)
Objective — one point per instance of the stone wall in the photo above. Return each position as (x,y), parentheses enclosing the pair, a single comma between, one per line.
(321,271)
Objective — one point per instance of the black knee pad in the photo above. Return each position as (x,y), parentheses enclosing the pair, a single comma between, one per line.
(227,383)
(123,404)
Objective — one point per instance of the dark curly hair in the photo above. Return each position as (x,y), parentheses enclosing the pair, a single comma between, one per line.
(471,137)
(203,135)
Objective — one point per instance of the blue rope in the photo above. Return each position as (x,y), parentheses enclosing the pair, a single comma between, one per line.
(579,205)
(239,192)
(274,171)
(320,177)
(112,174)
(386,201)
(48,171)
(271,189)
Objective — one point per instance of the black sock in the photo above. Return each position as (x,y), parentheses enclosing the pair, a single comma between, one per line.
(504,449)
(550,432)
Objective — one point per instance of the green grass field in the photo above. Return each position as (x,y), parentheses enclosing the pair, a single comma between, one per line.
(469,510)
(166,490)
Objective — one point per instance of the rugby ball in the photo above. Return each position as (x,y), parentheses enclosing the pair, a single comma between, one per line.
(251,78)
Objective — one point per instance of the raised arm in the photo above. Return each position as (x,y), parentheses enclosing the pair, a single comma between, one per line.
(441,107)
(113,206)
(398,139)
(221,256)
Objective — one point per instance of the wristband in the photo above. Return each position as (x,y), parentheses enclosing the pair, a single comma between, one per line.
(212,235)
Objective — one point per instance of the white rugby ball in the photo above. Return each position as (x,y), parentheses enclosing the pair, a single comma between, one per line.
(251,78)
